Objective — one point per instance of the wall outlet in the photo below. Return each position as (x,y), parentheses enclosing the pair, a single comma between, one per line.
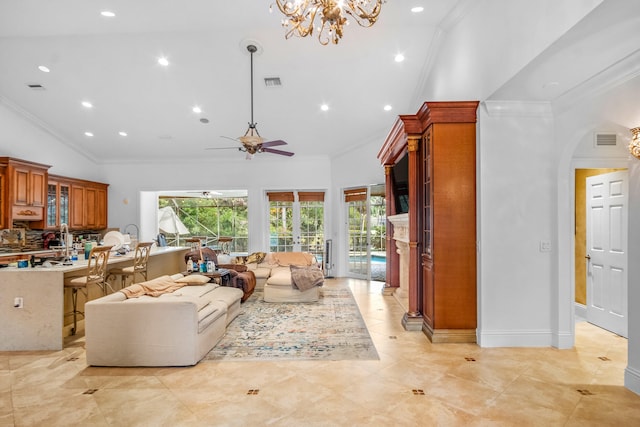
(545,246)
(18,302)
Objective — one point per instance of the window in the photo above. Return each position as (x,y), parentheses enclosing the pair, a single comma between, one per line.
(211,215)
(296,222)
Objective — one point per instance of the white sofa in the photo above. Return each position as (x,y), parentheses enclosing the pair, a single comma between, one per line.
(174,329)
(273,275)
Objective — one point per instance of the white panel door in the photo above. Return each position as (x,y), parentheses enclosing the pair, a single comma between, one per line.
(607,221)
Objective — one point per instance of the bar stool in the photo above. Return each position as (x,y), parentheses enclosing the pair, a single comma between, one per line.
(195,243)
(96,274)
(140,260)
(225,244)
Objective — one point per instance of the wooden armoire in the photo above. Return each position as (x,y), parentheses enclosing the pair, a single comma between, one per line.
(440,141)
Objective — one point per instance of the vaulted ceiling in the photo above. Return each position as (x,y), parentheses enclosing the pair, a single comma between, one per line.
(112,63)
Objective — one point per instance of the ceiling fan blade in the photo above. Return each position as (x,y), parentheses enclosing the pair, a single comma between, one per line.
(228,137)
(222,148)
(281,152)
(273,143)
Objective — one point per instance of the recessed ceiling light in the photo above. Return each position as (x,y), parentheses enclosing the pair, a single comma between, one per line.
(417,9)
(387,107)
(163,61)
(87,104)
(107,13)
(324,107)
(197,109)
(88,133)
(399,57)
(122,133)
(44,69)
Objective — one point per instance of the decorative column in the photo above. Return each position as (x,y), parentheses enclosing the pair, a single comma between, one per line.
(392,273)
(412,320)
(401,237)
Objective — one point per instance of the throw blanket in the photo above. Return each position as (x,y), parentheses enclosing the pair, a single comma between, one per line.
(154,288)
(305,278)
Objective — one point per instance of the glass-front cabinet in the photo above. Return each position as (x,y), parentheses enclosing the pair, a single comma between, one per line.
(57,203)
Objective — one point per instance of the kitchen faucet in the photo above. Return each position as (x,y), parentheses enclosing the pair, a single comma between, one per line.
(64,236)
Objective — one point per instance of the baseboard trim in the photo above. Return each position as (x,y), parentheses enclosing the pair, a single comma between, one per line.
(515,338)
(580,310)
(443,336)
(632,379)
(412,323)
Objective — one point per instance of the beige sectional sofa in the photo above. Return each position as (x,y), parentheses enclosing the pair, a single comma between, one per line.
(176,328)
(273,275)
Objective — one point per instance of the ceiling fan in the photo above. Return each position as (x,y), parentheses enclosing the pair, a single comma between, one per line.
(251,141)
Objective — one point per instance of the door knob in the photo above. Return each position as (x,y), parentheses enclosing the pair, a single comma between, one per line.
(588,257)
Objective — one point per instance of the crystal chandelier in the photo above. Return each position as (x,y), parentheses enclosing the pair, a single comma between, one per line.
(634,145)
(300,16)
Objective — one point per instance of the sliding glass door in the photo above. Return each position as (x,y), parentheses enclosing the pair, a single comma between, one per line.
(366,232)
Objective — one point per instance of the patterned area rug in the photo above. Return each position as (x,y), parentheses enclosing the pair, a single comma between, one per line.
(331,329)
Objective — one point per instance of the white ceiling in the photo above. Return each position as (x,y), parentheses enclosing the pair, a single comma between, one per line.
(112,63)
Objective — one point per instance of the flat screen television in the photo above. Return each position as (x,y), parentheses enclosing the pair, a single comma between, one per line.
(400,181)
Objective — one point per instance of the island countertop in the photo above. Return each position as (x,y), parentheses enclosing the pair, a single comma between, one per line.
(81,263)
(39,322)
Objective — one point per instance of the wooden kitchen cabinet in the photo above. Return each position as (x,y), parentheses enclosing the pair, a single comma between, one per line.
(2,197)
(58,203)
(89,204)
(25,188)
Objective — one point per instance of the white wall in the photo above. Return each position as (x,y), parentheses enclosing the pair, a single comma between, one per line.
(23,139)
(632,372)
(517,204)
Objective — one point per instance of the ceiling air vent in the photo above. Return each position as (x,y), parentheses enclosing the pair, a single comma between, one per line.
(35,86)
(272,81)
(606,140)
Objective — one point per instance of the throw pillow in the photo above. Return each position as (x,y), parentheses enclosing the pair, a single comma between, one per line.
(194,279)
(255,258)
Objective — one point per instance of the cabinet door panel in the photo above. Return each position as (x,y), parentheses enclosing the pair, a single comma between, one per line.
(428,291)
(2,199)
(21,187)
(77,207)
(38,188)
(91,203)
(101,209)
(52,206)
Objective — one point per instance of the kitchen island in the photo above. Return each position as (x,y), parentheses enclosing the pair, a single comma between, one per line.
(39,323)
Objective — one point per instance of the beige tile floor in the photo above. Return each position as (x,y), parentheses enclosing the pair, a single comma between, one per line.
(414,383)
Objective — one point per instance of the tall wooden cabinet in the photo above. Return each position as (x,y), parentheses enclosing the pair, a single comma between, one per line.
(442,215)
(449,232)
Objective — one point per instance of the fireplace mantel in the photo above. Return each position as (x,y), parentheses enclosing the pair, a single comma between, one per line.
(400,224)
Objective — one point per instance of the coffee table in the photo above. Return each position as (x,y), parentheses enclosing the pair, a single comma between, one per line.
(221,276)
